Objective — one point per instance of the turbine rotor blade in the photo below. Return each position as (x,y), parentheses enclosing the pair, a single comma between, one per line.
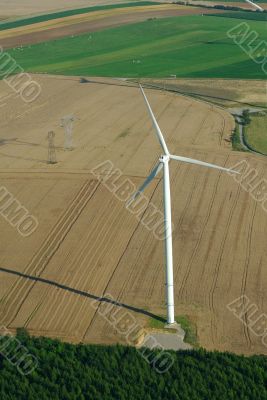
(156,126)
(149,179)
(255,5)
(202,163)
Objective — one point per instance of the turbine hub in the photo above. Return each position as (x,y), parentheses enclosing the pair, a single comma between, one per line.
(164,158)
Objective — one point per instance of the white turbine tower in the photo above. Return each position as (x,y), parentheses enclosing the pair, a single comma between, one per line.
(164,163)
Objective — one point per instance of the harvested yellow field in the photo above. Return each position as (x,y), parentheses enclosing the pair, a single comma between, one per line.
(28,7)
(226,92)
(88,245)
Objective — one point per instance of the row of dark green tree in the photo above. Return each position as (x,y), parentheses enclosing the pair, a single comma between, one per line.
(89,372)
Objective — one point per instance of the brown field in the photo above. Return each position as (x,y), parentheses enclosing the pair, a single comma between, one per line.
(88,245)
(28,7)
(91,22)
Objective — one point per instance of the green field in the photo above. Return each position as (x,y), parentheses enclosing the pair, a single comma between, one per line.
(190,46)
(62,14)
(256,133)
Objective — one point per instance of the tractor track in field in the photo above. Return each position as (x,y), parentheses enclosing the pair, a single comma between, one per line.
(171,139)
(71,283)
(54,240)
(77,280)
(186,207)
(21,289)
(218,263)
(223,125)
(118,264)
(198,132)
(194,251)
(245,273)
(80,278)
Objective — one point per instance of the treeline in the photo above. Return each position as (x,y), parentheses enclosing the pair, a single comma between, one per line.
(235,140)
(254,16)
(91,372)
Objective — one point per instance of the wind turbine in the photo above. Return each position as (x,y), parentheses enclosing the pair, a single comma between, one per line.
(164,164)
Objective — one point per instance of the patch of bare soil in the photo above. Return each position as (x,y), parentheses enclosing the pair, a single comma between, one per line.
(16,8)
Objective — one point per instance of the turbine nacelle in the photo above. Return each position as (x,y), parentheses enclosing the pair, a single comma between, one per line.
(164,158)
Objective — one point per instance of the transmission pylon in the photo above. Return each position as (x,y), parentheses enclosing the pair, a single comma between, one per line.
(52,159)
(67,124)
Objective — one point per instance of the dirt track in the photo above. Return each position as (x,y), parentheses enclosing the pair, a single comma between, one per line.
(88,245)
(90,22)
